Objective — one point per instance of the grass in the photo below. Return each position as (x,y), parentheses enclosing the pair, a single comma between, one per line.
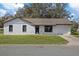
(76,36)
(31,39)
(76,33)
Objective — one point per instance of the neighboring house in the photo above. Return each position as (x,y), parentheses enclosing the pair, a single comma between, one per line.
(22,26)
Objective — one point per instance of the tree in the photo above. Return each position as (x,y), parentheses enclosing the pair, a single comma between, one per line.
(60,10)
(20,12)
(39,9)
(1,22)
(36,10)
(45,10)
(24,12)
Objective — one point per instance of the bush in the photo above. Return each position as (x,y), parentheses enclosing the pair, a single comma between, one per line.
(74,29)
(75,33)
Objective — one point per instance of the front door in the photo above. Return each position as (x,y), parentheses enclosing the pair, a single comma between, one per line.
(36,29)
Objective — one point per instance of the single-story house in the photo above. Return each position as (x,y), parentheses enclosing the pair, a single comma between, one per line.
(23,26)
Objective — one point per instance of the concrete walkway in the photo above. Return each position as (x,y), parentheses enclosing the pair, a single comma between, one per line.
(72,40)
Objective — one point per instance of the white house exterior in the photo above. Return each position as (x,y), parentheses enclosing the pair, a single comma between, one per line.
(58,29)
(22,26)
(17,27)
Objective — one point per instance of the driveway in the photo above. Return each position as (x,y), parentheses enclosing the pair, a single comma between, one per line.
(72,39)
(26,50)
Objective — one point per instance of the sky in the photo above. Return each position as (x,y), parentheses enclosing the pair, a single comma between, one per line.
(74,9)
(11,8)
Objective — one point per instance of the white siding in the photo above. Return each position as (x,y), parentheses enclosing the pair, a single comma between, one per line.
(17,27)
(58,29)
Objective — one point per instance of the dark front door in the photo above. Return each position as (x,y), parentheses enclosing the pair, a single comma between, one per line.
(36,29)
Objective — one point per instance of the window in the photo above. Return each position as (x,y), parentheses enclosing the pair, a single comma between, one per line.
(10,28)
(48,29)
(24,28)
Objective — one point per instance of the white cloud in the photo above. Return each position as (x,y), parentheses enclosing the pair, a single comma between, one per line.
(75,6)
(2,12)
(10,8)
(16,5)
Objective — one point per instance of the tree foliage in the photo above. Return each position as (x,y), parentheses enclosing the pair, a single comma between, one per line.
(44,10)
(60,10)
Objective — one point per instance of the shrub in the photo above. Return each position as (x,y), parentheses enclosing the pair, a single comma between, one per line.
(74,28)
(75,33)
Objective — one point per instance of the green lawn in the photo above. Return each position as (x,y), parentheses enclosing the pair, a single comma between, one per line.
(31,39)
(77,36)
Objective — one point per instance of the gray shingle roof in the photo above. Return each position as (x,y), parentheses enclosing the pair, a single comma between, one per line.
(46,21)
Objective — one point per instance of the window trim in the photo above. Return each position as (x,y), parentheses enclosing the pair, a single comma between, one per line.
(47,29)
(11,30)
(24,30)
